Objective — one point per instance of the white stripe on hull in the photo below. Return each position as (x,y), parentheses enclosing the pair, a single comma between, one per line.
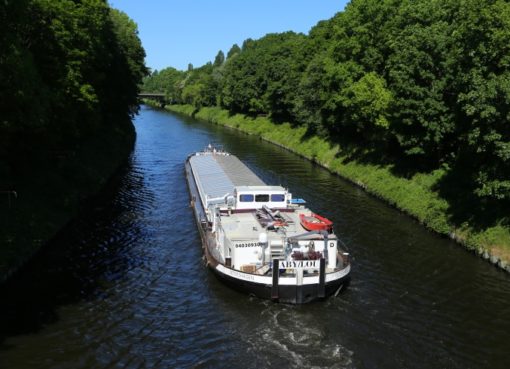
(284,281)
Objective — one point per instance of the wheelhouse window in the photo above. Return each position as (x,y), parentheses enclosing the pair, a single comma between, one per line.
(262,198)
(246,198)
(277,197)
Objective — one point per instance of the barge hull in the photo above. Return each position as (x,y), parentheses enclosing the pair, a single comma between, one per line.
(283,292)
(290,294)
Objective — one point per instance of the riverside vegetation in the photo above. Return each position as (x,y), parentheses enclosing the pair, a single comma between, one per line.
(69,80)
(408,99)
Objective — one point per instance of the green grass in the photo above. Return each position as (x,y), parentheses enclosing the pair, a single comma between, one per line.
(415,196)
(183,109)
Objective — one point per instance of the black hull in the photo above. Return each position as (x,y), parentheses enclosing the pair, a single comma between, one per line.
(288,294)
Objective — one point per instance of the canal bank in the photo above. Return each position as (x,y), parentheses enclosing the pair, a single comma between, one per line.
(49,185)
(414,196)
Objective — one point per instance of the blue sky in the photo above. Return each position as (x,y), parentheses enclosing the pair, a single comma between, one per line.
(177,32)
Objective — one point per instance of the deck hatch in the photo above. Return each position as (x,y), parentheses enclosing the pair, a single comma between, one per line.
(211,180)
(238,172)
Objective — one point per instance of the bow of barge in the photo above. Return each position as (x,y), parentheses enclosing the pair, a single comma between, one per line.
(253,235)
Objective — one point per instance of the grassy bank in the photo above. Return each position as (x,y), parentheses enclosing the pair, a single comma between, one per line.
(415,196)
(51,185)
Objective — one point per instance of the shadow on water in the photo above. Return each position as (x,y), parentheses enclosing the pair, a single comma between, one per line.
(88,254)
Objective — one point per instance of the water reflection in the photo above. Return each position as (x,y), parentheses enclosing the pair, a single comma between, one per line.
(92,252)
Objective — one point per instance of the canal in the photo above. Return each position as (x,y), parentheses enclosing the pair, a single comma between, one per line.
(125,286)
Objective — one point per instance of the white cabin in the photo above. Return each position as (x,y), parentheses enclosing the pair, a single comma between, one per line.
(255,197)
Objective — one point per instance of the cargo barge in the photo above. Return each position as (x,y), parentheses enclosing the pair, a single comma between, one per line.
(259,240)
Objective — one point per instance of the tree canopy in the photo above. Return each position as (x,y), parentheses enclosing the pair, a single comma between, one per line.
(67,67)
(424,82)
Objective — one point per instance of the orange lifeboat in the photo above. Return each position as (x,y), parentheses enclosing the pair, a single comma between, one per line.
(315,222)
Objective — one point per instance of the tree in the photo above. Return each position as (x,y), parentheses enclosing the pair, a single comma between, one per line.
(132,56)
(482,87)
(69,66)
(219,59)
(235,49)
(168,81)
(366,106)
(420,72)
(263,78)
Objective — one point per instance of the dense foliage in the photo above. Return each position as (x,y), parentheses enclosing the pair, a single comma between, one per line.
(421,85)
(66,67)
(70,72)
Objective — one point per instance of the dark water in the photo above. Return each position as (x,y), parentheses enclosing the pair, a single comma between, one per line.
(125,285)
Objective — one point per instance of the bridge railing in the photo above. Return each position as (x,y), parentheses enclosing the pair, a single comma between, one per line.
(159,97)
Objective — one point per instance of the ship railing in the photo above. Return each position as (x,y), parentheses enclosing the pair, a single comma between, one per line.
(329,253)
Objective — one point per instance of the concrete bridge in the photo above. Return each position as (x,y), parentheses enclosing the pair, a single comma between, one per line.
(159,97)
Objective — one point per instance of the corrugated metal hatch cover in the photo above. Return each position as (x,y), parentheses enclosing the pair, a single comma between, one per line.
(217,175)
(238,172)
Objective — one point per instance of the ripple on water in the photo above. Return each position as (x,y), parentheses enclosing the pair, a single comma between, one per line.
(125,285)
